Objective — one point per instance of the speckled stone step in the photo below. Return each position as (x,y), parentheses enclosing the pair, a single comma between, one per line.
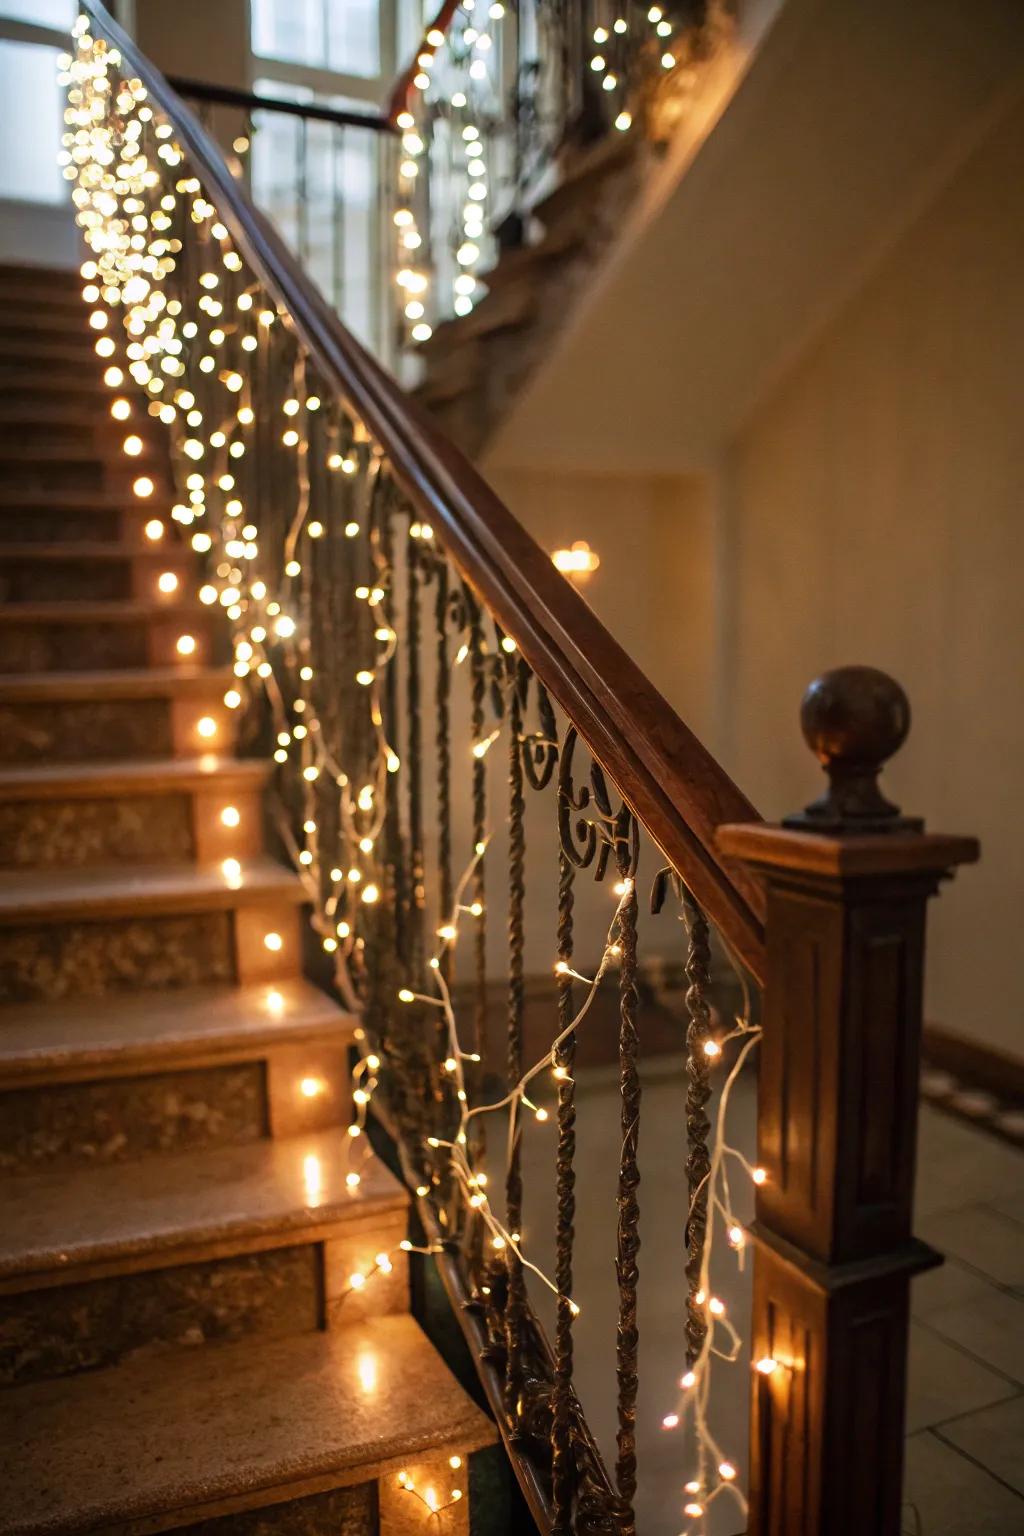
(59,717)
(169,1443)
(213,1243)
(83,635)
(142,1074)
(87,933)
(174,810)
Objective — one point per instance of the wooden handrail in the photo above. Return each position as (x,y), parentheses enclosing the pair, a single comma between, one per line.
(672,783)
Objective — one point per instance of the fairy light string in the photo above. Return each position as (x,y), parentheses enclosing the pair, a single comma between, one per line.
(212,358)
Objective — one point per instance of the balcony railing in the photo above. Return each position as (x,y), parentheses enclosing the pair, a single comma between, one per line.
(452,726)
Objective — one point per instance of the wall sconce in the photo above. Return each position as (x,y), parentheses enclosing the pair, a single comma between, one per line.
(578,562)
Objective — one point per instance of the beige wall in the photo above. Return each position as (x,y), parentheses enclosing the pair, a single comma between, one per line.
(875,508)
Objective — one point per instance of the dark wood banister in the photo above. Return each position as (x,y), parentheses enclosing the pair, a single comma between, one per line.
(673,784)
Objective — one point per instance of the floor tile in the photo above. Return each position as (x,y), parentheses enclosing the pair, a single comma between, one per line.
(943,1382)
(958,1165)
(981,1237)
(948,1285)
(991,1329)
(995,1437)
(952,1496)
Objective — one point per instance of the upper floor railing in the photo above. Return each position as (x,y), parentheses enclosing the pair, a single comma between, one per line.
(465,756)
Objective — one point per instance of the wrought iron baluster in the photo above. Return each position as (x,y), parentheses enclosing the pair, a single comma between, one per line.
(478,687)
(698,1126)
(562,1463)
(516,935)
(442,700)
(414,756)
(628,1236)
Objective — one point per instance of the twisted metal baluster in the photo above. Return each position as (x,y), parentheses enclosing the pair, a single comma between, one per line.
(414,766)
(628,1236)
(442,700)
(514,1173)
(382,534)
(562,1462)
(698,1126)
(478,686)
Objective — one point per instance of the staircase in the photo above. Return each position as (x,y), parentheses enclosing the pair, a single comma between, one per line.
(475,365)
(204,1321)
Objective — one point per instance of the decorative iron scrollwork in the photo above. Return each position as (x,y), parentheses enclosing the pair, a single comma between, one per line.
(588,827)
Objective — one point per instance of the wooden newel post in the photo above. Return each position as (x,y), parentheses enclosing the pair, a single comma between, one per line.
(847,882)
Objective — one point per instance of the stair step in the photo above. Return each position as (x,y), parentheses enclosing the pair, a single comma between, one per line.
(128,632)
(129,684)
(77,1040)
(175,809)
(145,1214)
(87,1083)
(162,1444)
(20,383)
(193,1247)
(108,570)
(93,932)
(149,712)
(48,896)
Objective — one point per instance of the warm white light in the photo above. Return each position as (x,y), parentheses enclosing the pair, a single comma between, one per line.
(207,726)
(311,1087)
(766,1365)
(154,529)
(670,1421)
(580,560)
(726,1471)
(230,816)
(167,581)
(273,942)
(185,645)
(759,1175)
(143,486)
(712,1049)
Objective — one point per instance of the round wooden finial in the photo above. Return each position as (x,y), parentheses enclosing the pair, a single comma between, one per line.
(853,720)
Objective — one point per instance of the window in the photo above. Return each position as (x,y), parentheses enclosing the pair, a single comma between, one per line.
(31,123)
(342,36)
(318,182)
(42,13)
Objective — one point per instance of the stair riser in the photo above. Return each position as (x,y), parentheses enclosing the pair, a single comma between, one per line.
(48,961)
(29,580)
(54,832)
(112,729)
(211,1297)
(45,646)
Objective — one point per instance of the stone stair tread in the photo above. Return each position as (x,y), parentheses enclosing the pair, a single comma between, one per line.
(53,895)
(58,1225)
(92,550)
(149,1031)
(152,1444)
(125,776)
(116,610)
(131,683)
(24,497)
(57,451)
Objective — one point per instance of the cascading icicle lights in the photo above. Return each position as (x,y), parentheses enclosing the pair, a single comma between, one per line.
(453,91)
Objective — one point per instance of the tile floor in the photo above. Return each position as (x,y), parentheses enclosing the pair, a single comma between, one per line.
(965,1411)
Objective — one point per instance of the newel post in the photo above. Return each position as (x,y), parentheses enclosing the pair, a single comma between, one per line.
(847,883)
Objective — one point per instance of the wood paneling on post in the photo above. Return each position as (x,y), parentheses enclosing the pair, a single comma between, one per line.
(847,882)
